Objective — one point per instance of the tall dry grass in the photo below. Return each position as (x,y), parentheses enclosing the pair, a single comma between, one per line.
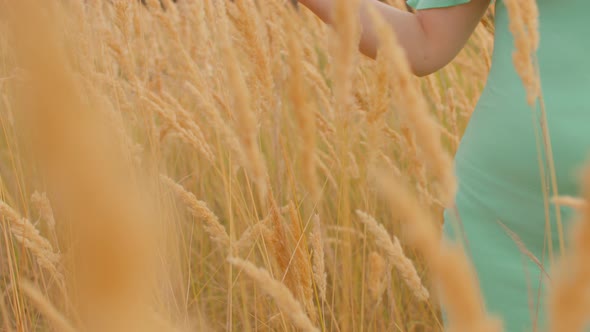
(202,162)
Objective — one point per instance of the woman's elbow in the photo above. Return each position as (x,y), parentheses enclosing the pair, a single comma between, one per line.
(430,61)
(420,64)
(423,65)
(422,71)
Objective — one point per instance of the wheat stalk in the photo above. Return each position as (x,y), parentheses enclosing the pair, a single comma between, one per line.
(458,285)
(319,265)
(46,307)
(568,300)
(199,209)
(25,232)
(376,275)
(395,255)
(408,98)
(278,291)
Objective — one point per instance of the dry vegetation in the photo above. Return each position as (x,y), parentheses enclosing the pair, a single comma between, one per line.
(212,165)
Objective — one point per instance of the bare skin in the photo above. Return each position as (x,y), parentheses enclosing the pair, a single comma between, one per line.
(431,38)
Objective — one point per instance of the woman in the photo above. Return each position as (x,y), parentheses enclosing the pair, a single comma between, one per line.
(500,193)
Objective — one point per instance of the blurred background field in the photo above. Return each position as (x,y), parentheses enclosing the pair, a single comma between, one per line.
(144,144)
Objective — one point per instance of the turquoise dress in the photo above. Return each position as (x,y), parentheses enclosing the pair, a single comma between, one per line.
(497,161)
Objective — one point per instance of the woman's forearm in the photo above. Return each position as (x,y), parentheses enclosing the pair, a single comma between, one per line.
(406,26)
(431,38)
(322,8)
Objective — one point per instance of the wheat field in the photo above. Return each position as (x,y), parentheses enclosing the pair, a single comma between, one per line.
(229,166)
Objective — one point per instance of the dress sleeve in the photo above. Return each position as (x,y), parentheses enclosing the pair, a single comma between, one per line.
(426,4)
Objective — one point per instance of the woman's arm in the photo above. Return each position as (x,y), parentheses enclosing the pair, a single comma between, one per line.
(431,37)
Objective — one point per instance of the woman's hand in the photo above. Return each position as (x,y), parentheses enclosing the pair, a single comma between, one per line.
(431,38)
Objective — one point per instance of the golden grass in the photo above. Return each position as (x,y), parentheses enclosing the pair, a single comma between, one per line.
(395,255)
(270,129)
